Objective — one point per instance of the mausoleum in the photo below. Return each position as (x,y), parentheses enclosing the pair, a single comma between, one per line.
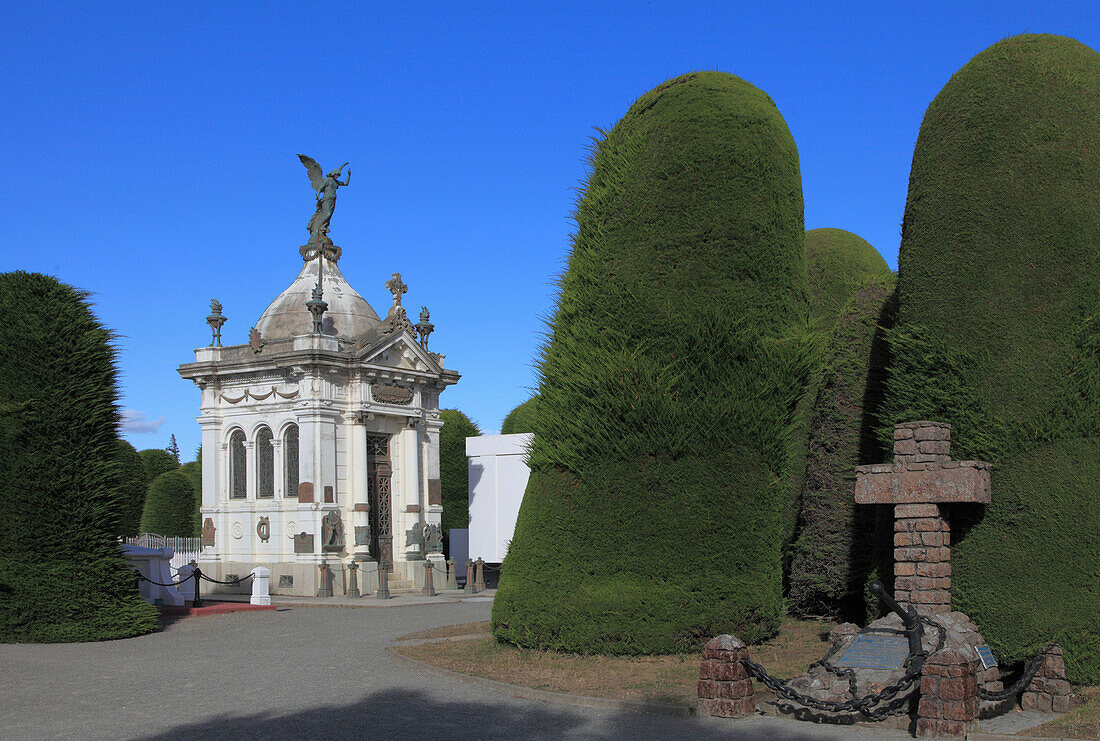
(320,434)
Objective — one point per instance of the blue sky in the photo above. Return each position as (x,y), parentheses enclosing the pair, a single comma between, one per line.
(151,151)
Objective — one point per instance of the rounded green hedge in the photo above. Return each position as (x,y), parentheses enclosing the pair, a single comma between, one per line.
(654,514)
(170,506)
(158,461)
(998,329)
(62,575)
(522,418)
(134,484)
(834,551)
(838,263)
(454,470)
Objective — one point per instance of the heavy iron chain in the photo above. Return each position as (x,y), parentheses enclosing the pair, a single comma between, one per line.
(142,577)
(233,582)
(866,704)
(1020,684)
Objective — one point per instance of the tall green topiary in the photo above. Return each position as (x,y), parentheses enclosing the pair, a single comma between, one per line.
(998,332)
(193,471)
(835,548)
(522,418)
(454,478)
(134,484)
(158,461)
(62,575)
(170,506)
(838,263)
(653,518)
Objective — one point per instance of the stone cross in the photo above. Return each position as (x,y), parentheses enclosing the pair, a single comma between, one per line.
(921,478)
(396,287)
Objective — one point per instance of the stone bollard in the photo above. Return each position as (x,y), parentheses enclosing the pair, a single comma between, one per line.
(1049,690)
(948,695)
(353,580)
(324,588)
(725,689)
(261,582)
(452,578)
(383,583)
(429,582)
(469,588)
(479,580)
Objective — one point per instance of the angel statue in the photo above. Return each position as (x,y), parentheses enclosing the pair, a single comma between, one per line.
(326,186)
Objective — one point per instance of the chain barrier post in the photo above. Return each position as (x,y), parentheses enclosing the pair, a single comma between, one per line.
(1049,691)
(383,584)
(353,580)
(452,577)
(469,587)
(948,696)
(479,580)
(429,582)
(725,689)
(197,576)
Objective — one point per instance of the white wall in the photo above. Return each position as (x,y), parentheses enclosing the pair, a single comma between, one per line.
(498,477)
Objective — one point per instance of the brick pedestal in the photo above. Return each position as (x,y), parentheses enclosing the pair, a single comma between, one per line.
(922,558)
(725,689)
(948,695)
(1049,690)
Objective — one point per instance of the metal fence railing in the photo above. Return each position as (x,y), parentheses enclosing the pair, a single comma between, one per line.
(183,549)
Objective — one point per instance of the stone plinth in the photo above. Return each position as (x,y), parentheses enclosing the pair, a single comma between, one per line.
(948,695)
(1049,690)
(921,478)
(725,689)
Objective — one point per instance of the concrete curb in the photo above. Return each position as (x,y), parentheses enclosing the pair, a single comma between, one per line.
(559,698)
(979,736)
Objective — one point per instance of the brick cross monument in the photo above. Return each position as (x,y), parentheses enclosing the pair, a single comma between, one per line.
(921,478)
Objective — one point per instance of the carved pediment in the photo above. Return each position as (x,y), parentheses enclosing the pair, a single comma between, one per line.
(402,353)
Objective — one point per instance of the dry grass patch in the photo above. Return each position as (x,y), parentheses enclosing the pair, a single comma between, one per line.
(669,680)
(1082,721)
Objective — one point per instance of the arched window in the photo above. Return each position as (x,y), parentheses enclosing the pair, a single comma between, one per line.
(290,460)
(265,464)
(238,473)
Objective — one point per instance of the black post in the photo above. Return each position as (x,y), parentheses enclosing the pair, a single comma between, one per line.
(197,576)
(913,628)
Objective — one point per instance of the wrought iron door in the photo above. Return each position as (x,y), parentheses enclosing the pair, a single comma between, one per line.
(379,472)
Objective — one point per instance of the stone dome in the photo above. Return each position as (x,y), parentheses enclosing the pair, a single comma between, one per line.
(348,316)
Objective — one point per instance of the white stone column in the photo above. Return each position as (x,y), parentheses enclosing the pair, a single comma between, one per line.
(433,513)
(360,494)
(250,483)
(409,490)
(278,473)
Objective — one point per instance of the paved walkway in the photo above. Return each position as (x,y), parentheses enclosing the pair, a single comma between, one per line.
(299,673)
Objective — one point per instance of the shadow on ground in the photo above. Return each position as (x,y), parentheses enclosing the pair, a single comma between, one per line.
(399,714)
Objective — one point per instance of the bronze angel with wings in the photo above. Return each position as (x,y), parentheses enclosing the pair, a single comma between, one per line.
(326,186)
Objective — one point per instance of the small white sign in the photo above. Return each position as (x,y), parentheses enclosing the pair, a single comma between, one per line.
(986,655)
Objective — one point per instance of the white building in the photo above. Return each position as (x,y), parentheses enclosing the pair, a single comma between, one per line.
(498,477)
(321,447)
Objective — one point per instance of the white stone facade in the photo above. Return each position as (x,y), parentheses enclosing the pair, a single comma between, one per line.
(365,410)
(498,475)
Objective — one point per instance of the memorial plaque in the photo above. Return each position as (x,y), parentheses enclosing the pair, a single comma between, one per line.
(875,652)
(387,394)
(303,543)
(986,655)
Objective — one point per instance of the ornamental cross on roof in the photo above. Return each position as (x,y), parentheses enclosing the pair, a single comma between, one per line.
(921,478)
(396,287)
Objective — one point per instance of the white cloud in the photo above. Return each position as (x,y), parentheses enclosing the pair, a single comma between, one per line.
(134,421)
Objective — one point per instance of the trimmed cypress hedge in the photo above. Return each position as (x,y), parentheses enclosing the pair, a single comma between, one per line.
(62,575)
(454,471)
(654,515)
(522,418)
(170,506)
(838,264)
(835,549)
(158,461)
(193,471)
(134,483)
(998,331)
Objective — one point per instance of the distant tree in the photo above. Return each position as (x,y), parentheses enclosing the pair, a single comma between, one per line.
(522,418)
(170,506)
(453,469)
(62,575)
(174,449)
(133,484)
(158,461)
(193,472)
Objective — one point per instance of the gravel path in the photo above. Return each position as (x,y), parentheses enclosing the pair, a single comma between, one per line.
(307,672)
